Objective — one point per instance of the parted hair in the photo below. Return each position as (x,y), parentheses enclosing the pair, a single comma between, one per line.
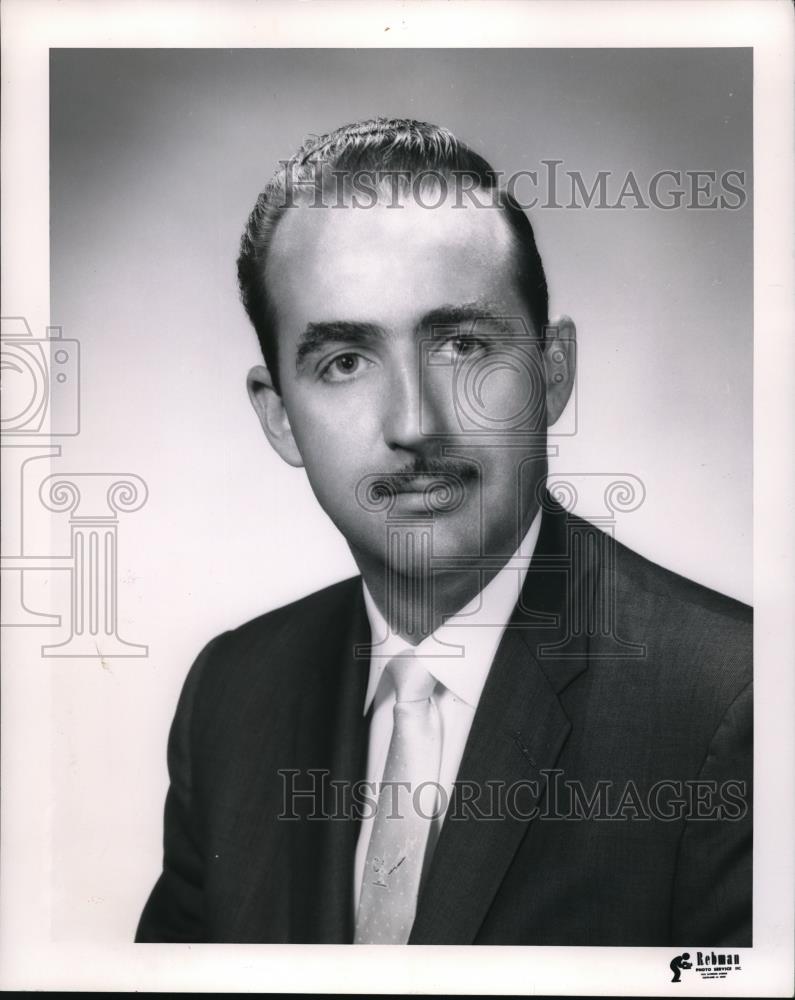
(393,155)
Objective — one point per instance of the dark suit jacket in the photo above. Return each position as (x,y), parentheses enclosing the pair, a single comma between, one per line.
(613,676)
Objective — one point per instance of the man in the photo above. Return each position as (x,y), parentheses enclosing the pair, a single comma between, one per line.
(510,729)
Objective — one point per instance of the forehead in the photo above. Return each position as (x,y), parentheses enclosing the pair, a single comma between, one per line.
(388,264)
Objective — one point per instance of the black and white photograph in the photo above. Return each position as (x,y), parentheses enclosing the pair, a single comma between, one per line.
(397,498)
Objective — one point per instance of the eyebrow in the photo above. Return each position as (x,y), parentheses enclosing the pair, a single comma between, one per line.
(317,335)
(468,312)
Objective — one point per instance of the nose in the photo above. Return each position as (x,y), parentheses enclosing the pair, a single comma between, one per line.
(412,411)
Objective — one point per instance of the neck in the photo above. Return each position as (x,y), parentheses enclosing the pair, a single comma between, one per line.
(416,602)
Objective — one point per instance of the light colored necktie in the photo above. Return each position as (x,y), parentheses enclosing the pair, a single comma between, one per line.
(396,851)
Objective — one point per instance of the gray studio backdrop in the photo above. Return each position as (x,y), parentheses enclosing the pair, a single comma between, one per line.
(156,160)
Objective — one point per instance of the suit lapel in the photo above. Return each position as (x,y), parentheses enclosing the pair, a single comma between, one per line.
(331,738)
(518,732)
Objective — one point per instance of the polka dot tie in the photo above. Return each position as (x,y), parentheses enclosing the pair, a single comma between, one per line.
(396,850)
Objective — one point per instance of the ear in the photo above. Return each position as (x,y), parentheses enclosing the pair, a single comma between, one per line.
(269,407)
(560,364)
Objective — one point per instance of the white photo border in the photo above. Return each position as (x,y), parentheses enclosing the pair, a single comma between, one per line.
(29,959)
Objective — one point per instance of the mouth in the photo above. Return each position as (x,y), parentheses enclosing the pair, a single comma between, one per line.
(415,484)
(436,491)
(425,483)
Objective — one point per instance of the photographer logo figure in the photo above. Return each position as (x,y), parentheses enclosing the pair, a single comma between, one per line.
(679,963)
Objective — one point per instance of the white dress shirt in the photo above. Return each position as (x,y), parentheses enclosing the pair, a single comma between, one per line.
(459,655)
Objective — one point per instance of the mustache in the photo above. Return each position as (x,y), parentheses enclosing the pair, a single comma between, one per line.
(440,468)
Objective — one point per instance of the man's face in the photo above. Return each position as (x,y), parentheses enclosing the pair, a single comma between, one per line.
(408,363)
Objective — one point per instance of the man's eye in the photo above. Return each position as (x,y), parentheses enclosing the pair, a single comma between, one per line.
(343,367)
(467,345)
(463,347)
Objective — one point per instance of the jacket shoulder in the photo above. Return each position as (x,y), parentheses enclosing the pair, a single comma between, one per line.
(633,572)
(658,582)
(678,647)
(315,609)
(249,657)
(700,639)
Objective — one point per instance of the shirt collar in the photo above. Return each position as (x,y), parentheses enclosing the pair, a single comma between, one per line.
(460,652)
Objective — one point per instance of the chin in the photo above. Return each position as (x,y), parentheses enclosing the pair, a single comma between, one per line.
(410,547)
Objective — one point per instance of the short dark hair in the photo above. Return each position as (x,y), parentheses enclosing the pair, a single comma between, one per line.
(403,149)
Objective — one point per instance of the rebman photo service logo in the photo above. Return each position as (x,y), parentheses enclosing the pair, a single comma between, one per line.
(707,964)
